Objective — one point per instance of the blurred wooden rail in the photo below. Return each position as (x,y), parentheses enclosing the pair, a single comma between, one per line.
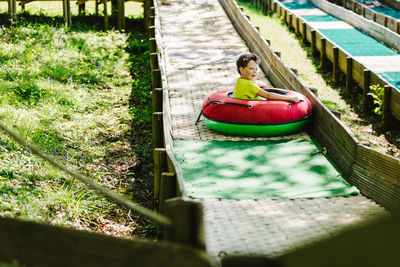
(119,8)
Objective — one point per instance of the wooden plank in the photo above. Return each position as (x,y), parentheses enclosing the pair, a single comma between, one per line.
(167,189)
(371,244)
(381,191)
(188,226)
(36,244)
(335,64)
(379,164)
(395,103)
(386,108)
(349,74)
(366,90)
(160,166)
(157,130)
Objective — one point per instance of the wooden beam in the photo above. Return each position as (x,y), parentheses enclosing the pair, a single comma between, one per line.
(167,189)
(188,222)
(386,107)
(105,12)
(160,166)
(322,62)
(349,73)
(35,244)
(335,63)
(313,44)
(367,77)
(157,130)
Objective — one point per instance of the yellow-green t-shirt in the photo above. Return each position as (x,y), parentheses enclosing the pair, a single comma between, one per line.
(246,89)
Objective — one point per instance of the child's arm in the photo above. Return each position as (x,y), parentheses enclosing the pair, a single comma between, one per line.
(274,96)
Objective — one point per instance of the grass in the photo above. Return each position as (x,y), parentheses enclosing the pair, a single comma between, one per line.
(69,91)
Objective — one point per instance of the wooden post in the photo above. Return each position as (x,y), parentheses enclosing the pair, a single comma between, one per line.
(367,77)
(152,45)
(96,7)
(81,8)
(187,217)
(335,64)
(374,17)
(322,62)
(304,39)
(398,27)
(154,61)
(349,74)
(297,26)
(290,21)
(119,13)
(156,79)
(157,99)
(313,45)
(158,130)
(160,166)
(386,107)
(65,12)
(167,189)
(362,11)
(152,32)
(344,3)
(69,15)
(314,91)
(105,12)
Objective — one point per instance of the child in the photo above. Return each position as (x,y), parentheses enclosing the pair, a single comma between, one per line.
(246,88)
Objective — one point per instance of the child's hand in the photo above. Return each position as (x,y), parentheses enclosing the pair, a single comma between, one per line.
(295,99)
(263,85)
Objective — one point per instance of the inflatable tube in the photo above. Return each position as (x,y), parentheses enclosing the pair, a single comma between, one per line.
(225,114)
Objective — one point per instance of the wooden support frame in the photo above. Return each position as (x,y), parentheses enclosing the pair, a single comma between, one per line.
(188,222)
(349,73)
(304,37)
(158,129)
(313,42)
(323,58)
(168,190)
(367,78)
(386,107)
(105,13)
(335,64)
(160,166)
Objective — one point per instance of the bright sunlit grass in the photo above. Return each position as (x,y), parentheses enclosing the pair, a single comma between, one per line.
(67,91)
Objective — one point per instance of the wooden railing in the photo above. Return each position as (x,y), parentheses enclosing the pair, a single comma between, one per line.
(389,22)
(374,173)
(168,181)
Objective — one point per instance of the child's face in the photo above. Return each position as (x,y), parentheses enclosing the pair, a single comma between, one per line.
(250,71)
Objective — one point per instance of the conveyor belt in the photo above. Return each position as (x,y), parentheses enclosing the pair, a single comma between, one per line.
(200,48)
(374,55)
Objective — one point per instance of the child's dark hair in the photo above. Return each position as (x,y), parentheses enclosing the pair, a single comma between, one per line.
(244,59)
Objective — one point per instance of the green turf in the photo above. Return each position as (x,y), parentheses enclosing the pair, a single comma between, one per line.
(388,11)
(356,43)
(392,77)
(298,4)
(320,18)
(258,170)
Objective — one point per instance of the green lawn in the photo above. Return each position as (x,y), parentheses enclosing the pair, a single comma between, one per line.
(69,91)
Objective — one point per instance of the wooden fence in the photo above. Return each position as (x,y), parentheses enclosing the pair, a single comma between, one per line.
(355,72)
(118,7)
(377,175)
(168,183)
(389,22)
